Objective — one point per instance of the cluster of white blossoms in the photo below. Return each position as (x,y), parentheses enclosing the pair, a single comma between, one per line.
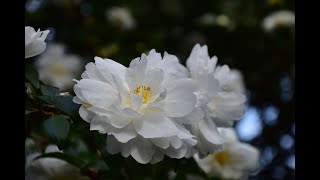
(157,107)
(235,161)
(50,168)
(121,18)
(57,68)
(277,19)
(34,41)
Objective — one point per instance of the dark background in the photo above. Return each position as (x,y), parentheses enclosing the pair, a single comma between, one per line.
(266,59)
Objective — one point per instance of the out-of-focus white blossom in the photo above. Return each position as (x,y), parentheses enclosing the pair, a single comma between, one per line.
(51,168)
(220,101)
(121,17)
(57,68)
(141,108)
(235,161)
(223,20)
(277,19)
(34,41)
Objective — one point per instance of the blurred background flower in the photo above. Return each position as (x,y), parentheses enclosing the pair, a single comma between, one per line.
(50,168)
(278,19)
(121,18)
(235,161)
(58,69)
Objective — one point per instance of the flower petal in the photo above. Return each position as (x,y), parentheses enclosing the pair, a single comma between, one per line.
(210,132)
(136,73)
(85,114)
(113,146)
(142,150)
(100,124)
(161,142)
(176,153)
(155,124)
(180,99)
(97,93)
(157,157)
(125,134)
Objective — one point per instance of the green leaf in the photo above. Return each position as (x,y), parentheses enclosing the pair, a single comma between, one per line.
(58,128)
(32,75)
(66,157)
(64,103)
(49,90)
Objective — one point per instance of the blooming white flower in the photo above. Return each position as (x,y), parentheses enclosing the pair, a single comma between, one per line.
(34,41)
(138,106)
(121,17)
(57,68)
(235,161)
(280,18)
(50,168)
(219,100)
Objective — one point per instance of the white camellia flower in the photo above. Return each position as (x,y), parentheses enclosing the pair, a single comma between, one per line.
(235,161)
(34,41)
(139,107)
(57,68)
(121,17)
(280,18)
(51,168)
(219,100)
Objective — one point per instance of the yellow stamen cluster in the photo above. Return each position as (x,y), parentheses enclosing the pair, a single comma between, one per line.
(222,157)
(144,91)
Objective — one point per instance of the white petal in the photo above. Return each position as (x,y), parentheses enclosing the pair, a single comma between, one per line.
(153,58)
(118,121)
(180,99)
(172,69)
(228,106)
(161,142)
(116,117)
(109,68)
(113,146)
(229,134)
(183,132)
(34,48)
(154,80)
(176,153)
(192,118)
(122,88)
(175,142)
(97,93)
(136,100)
(155,124)
(244,156)
(125,134)
(142,150)
(85,114)
(77,100)
(136,73)
(210,132)
(100,124)
(92,72)
(157,157)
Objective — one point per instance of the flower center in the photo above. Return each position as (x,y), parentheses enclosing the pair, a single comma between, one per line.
(145,92)
(58,69)
(222,157)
